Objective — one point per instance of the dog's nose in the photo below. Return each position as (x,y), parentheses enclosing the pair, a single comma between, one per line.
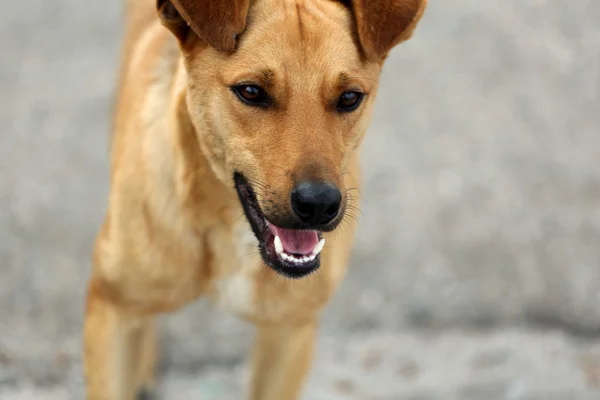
(316,203)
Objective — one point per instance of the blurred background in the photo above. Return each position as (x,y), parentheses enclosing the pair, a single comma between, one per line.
(476,274)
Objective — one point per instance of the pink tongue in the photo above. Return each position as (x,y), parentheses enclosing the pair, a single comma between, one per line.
(295,241)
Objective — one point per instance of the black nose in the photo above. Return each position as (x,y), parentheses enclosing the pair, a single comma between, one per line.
(316,203)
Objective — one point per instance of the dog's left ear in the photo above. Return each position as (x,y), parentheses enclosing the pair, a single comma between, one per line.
(217,22)
(382,24)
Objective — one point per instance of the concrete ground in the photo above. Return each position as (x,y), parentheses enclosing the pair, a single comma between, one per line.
(477,270)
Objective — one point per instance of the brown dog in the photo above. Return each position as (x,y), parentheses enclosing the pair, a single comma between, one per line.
(234,159)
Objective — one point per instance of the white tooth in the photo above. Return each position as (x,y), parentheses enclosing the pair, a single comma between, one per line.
(312,257)
(318,247)
(306,259)
(284,256)
(278,245)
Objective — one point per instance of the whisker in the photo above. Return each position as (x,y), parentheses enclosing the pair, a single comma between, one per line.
(350,209)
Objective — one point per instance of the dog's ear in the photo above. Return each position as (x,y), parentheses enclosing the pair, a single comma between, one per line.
(217,22)
(382,24)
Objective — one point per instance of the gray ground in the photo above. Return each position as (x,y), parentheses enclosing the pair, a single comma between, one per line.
(477,271)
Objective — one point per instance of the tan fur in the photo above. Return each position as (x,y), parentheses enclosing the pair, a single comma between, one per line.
(174,230)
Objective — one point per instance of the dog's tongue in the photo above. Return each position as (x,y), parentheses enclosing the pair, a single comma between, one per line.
(296,241)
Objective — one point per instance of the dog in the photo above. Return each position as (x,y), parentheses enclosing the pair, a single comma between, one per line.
(234,173)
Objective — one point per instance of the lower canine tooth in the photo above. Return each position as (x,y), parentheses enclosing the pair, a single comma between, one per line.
(278,245)
(318,247)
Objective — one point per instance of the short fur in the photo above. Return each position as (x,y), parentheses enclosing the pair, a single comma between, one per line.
(174,229)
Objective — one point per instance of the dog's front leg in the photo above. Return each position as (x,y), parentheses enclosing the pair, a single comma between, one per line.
(281,359)
(119,349)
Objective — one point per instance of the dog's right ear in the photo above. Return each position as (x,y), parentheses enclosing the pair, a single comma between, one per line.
(170,18)
(217,22)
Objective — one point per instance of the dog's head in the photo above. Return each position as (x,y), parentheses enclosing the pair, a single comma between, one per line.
(282,92)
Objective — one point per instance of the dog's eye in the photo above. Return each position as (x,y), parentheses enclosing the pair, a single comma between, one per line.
(252,95)
(349,101)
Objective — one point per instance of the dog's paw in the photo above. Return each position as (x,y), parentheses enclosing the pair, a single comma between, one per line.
(146,394)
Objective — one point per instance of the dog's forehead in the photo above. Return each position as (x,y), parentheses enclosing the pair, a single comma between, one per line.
(312,31)
(273,10)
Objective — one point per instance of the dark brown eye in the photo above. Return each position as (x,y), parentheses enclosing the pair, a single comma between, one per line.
(251,95)
(349,101)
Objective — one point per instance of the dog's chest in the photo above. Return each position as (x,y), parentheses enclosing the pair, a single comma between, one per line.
(238,259)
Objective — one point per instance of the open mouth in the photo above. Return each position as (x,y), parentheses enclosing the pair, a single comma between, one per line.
(293,253)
